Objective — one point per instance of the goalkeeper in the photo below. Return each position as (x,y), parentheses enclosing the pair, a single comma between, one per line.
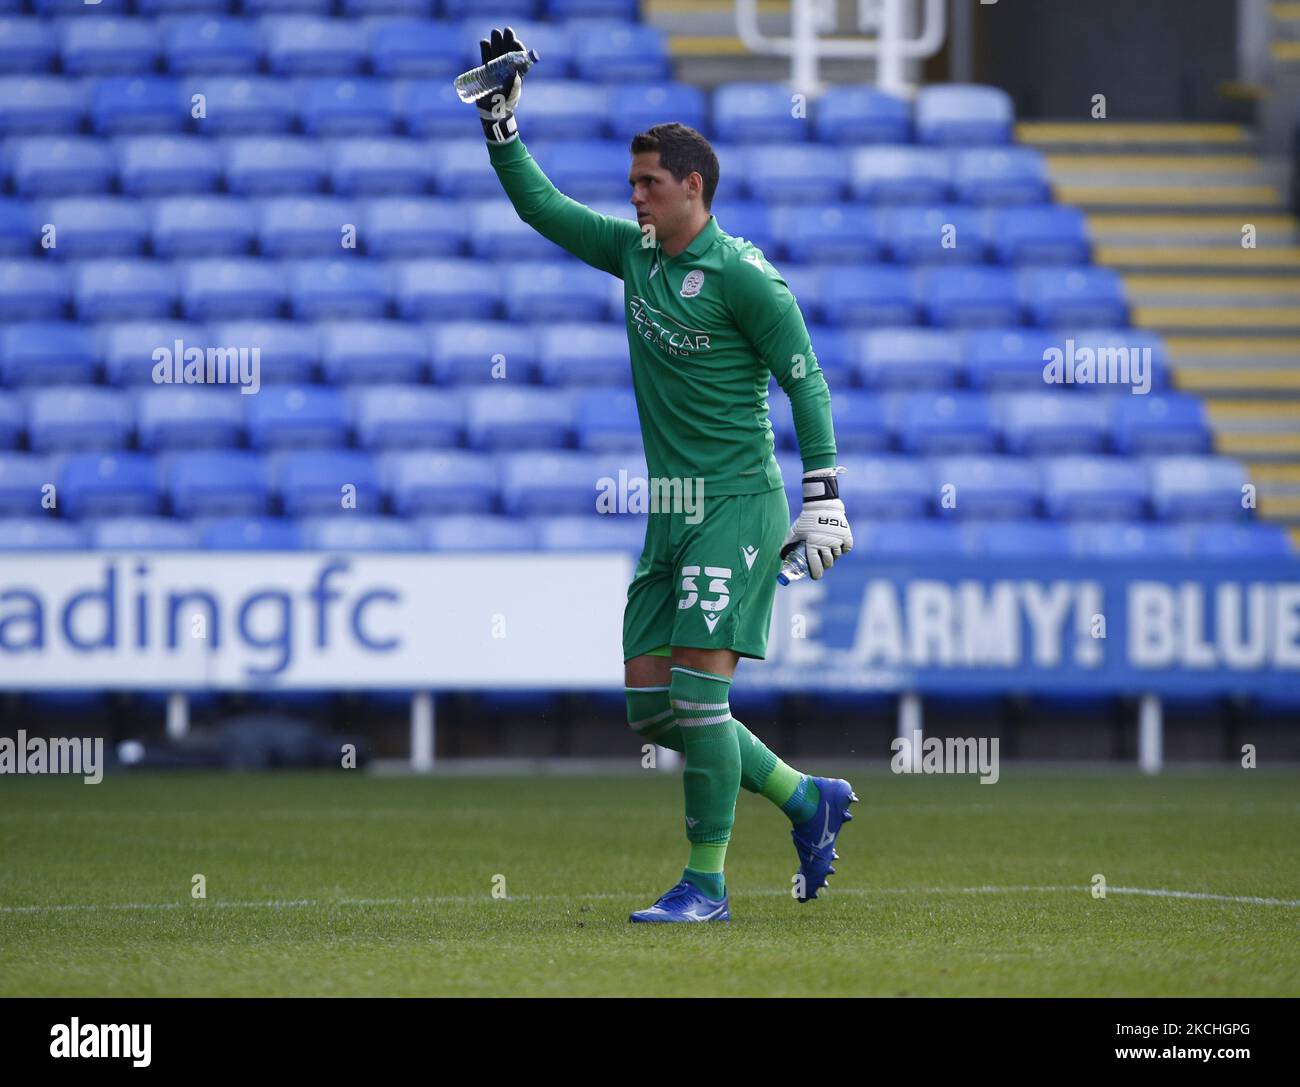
(707,319)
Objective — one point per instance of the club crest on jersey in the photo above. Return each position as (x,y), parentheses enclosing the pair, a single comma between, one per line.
(692,283)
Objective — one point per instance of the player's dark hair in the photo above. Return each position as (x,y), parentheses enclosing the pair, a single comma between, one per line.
(681,151)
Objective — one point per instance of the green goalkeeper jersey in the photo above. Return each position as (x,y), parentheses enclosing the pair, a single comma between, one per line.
(705,329)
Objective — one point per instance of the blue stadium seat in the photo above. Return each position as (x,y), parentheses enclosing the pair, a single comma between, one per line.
(837,354)
(605,51)
(133,104)
(987,486)
(462,169)
(27,46)
(40,104)
(100,226)
(217,483)
(407,417)
(274,165)
(799,174)
(583,354)
(1006,358)
(1238,541)
(18,228)
(948,234)
(433,289)
(908,358)
(384,167)
(78,418)
(142,534)
(525,9)
(203,226)
(32,290)
(12,421)
(182,7)
(634,107)
(1168,423)
(434,481)
(109,485)
(750,220)
(168,165)
(357,532)
(479,533)
(545,291)
(733,171)
(963,115)
(430,109)
(59,165)
(417,48)
(1055,297)
(1206,488)
(243,105)
(899,174)
(317,482)
(306,226)
(606,421)
(184,417)
(366,352)
(885,485)
(1127,540)
(287,7)
(39,353)
(518,418)
(1016,539)
(128,347)
(210,45)
(1050,234)
(495,229)
(861,421)
(40,534)
(288,351)
(249,534)
(414,227)
(1083,488)
(756,113)
(584,170)
(551,482)
(1011,175)
(472,352)
(625,10)
(907,538)
(306,46)
(590,532)
(297,417)
(933,423)
(22,479)
(853,114)
(969,297)
(1122,359)
(346,107)
(108,46)
(342,290)
(863,294)
(1058,422)
(123,290)
(826,234)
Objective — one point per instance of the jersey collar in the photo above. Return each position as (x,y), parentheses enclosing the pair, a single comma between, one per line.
(708,234)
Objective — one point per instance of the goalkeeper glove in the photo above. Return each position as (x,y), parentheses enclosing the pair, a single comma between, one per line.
(822,525)
(496,109)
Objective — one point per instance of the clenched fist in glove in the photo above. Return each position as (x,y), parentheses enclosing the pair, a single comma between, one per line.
(497,108)
(822,525)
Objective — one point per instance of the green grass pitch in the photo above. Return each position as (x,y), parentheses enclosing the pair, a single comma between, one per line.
(354,884)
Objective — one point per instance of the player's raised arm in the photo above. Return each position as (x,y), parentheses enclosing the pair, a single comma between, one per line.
(599,240)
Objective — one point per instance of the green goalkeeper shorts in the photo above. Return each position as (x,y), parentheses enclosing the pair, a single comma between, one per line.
(708,585)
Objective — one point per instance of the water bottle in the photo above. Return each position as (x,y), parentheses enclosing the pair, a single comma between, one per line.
(494,75)
(795,565)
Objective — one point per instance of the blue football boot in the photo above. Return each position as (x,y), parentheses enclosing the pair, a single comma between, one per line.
(685,902)
(814,840)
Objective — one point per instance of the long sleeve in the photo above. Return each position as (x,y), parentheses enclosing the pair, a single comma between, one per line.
(598,240)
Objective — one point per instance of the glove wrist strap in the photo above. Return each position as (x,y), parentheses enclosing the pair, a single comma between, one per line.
(820,488)
(500,129)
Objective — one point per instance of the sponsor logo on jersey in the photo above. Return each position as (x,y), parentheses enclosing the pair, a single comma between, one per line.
(692,283)
(756,261)
(751,553)
(669,335)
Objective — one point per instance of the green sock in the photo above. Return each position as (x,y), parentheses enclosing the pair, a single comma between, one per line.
(711,780)
(704,868)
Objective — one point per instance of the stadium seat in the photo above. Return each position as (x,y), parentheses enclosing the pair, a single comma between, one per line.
(463,169)
(908,538)
(438,481)
(203,226)
(947,422)
(26,46)
(1011,175)
(288,351)
(17,228)
(584,170)
(414,227)
(297,417)
(242,105)
(493,229)
(44,354)
(962,115)
(366,352)
(583,354)
(908,358)
(853,114)
(798,174)
(1237,541)
(459,9)
(475,352)
(969,297)
(837,353)
(318,482)
(189,417)
(623,10)
(947,234)
(274,165)
(553,291)
(287,7)
(899,174)
(123,290)
(1056,297)
(168,165)
(383,167)
(109,46)
(1169,423)
(418,48)
(40,534)
(861,421)
(217,483)
(357,532)
(606,421)
(756,113)
(182,7)
(407,417)
(1203,488)
(307,226)
(429,109)
(58,165)
(551,482)
(129,346)
(78,418)
(306,46)
(590,532)
(1127,540)
(109,485)
(445,289)
(750,220)
(32,291)
(822,233)
(343,290)
(249,534)
(861,295)
(40,104)
(1123,359)
(1058,422)
(985,486)
(345,107)
(1039,235)
(100,226)
(1006,358)
(12,421)
(132,104)
(1091,488)
(1016,539)
(882,486)
(518,418)
(634,107)
(23,477)
(478,533)
(142,533)
(210,45)
(607,51)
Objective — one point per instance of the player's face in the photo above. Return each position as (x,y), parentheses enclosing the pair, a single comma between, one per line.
(659,198)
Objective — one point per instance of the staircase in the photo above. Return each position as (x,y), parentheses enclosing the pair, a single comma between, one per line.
(1167,204)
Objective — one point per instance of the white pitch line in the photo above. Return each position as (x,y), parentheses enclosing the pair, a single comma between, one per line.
(302,903)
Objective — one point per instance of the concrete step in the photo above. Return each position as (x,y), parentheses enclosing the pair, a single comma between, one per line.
(1246,291)
(1280,383)
(1190,230)
(1133,137)
(1211,197)
(1198,258)
(1279,352)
